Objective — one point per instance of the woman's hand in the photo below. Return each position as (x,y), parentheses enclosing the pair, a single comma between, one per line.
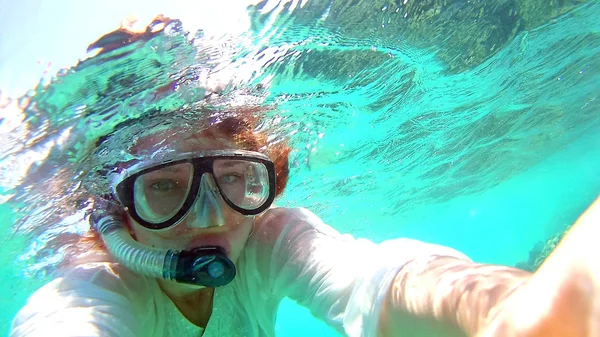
(563,297)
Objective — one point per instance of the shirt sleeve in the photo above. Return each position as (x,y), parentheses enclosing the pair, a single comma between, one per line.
(341,279)
(87,301)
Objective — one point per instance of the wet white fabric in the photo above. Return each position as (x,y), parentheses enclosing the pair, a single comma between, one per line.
(342,280)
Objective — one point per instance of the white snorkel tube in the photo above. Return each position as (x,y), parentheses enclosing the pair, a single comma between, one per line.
(205,266)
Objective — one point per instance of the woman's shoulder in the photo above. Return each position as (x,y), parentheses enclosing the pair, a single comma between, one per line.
(86,297)
(277,218)
(278,213)
(281,214)
(94,276)
(98,283)
(279,221)
(98,273)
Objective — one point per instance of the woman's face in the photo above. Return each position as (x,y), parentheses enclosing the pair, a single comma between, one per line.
(190,233)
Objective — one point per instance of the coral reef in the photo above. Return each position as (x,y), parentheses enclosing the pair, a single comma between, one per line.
(540,251)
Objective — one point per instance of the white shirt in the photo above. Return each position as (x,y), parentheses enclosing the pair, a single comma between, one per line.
(342,280)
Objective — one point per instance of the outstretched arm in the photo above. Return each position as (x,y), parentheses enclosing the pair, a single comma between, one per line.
(443,294)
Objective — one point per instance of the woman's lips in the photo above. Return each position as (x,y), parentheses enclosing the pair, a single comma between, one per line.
(209,240)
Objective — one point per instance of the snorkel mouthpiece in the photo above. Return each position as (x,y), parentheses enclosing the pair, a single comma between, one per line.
(205,266)
(208,266)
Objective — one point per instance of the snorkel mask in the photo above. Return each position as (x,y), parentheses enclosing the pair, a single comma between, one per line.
(160,194)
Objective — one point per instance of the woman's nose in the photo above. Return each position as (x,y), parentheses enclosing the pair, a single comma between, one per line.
(207,210)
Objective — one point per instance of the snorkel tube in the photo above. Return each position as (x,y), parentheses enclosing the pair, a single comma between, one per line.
(205,266)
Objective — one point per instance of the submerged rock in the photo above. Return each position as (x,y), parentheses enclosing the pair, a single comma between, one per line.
(463,33)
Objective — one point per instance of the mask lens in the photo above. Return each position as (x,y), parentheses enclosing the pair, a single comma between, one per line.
(160,194)
(244,183)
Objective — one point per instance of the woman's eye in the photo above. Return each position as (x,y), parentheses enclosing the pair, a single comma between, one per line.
(229,178)
(164,185)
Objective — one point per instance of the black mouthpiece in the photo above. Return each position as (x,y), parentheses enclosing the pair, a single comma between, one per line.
(205,266)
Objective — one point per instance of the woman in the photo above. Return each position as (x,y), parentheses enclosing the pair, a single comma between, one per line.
(193,247)
(208,192)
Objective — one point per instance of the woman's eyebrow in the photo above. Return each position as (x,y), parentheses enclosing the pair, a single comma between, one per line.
(228,164)
(169,169)
(173,169)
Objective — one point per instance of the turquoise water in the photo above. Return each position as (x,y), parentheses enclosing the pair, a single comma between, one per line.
(390,137)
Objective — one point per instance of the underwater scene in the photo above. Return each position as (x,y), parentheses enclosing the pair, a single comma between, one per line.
(471,124)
